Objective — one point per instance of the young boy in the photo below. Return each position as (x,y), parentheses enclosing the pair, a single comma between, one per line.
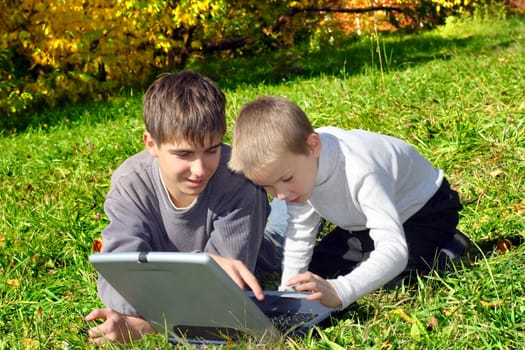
(393,210)
(179,195)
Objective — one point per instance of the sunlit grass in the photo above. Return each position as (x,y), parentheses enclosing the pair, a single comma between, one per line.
(457,94)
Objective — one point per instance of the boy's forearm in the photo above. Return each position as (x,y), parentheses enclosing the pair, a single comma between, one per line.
(294,262)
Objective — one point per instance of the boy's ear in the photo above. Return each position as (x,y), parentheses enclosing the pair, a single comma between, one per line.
(150,144)
(313,142)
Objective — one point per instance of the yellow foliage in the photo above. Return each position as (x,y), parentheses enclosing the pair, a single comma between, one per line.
(65,49)
(108,42)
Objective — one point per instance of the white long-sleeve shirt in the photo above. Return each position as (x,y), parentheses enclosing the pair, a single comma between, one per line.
(369,181)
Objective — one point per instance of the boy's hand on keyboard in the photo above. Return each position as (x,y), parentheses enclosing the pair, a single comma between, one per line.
(320,289)
(240,274)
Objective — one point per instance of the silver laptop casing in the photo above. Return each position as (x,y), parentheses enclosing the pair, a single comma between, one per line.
(188,297)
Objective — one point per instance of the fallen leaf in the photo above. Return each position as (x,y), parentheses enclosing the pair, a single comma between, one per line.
(491,303)
(432,324)
(13,282)
(496,173)
(97,245)
(31,343)
(403,315)
(386,345)
(449,310)
(503,245)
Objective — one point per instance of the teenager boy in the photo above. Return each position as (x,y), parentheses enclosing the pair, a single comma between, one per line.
(179,195)
(393,210)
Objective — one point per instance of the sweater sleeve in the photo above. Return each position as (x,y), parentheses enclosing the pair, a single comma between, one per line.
(128,230)
(390,254)
(300,240)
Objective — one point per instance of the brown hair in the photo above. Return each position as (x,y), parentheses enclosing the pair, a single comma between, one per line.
(184,106)
(265,129)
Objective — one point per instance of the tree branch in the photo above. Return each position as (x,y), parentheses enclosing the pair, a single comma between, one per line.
(230,44)
(282,20)
(295,10)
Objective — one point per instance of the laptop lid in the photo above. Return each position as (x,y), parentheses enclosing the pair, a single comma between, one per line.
(188,297)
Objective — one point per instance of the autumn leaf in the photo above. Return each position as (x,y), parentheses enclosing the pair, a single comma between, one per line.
(490,304)
(496,173)
(503,245)
(432,324)
(97,245)
(449,310)
(31,343)
(403,315)
(13,282)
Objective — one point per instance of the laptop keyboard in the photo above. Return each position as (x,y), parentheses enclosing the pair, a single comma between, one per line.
(285,322)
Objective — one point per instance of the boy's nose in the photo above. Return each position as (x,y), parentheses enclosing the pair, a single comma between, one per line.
(280,191)
(281,196)
(197,168)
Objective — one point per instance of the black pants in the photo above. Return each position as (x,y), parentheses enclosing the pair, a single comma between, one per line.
(426,232)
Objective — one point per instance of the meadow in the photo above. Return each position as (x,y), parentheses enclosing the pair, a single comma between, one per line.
(457,93)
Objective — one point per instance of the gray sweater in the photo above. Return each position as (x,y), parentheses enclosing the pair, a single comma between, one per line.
(227,219)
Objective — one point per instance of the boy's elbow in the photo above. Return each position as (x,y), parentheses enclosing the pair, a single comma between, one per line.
(404,263)
(397,253)
(403,257)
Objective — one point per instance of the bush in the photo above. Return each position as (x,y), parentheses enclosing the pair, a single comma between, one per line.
(53,52)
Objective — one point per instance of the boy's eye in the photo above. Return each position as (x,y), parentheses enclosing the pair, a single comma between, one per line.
(288,179)
(182,154)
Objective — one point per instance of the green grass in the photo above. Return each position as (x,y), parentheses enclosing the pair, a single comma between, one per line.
(456,93)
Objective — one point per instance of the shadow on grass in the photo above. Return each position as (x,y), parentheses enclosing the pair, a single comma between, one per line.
(71,114)
(344,57)
(349,56)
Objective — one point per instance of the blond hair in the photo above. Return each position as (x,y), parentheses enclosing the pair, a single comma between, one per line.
(265,129)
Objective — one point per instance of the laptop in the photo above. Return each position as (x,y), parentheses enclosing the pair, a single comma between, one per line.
(188,297)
